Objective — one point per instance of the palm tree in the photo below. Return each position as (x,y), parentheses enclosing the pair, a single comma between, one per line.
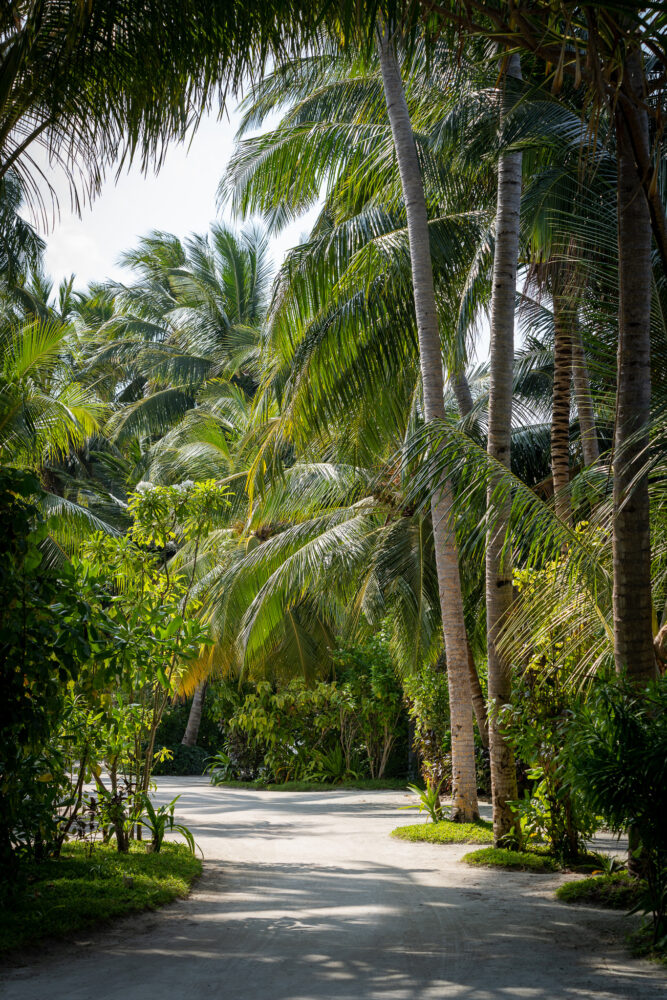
(44,411)
(464,784)
(191,321)
(618,52)
(498,560)
(102,83)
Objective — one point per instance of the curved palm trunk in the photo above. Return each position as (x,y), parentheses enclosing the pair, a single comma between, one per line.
(498,557)
(633,611)
(461,389)
(194,719)
(464,782)
(560,408)
(585,410)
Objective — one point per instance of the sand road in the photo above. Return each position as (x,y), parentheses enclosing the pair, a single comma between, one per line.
(306,897)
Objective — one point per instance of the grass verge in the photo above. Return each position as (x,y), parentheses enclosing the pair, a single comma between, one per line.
(500,857)
(364,784)
(447,832)
(614,892)
(74,891)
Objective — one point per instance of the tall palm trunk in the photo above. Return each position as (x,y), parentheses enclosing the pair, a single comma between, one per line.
(633,612)
(560,407)
(461,387)
(464,783)
(194,719)
(582,393)
(498,558)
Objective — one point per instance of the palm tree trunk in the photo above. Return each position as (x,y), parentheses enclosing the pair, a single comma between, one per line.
(633,609)
(498,557)
(582,393)
(560,408)
(191,733)
(464,782)
(478,703)
(461,389)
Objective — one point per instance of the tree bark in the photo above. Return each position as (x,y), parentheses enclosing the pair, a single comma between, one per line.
(560,408)
(461,389)
(585,410)
(191,733)
(498,557)
(633,609)
(464,782)
(478,703)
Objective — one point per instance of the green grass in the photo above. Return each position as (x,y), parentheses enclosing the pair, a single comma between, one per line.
(447,832)
(364,784)
(59,896)
(615,892)
(500,857)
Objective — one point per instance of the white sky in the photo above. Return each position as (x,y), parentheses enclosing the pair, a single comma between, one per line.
(181,199)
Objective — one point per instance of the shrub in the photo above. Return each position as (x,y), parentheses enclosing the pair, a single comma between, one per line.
(619,763)
(45,639)
(428,707)
(183,761)
(348,727)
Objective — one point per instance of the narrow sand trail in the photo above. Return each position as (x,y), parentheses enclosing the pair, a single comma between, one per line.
(306,897)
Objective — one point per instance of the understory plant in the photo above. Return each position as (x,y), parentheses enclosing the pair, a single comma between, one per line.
(537,723)
(329,730)
(46,641)
(619,764)
(161,820)
(427,698)
(429,800)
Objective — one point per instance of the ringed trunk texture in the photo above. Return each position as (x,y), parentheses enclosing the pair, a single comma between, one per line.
(191,733)
(464,780)
(461,389)
(633,610)
(585,410)
(478,702)
(498,556)
(560,409)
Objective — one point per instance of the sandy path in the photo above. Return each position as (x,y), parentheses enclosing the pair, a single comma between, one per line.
(306,897)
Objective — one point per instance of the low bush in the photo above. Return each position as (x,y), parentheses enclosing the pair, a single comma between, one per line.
(83,888)
(500,857)
(615,892)
(184,761)
(446,832)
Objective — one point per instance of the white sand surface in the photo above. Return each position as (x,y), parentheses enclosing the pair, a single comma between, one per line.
(305,896)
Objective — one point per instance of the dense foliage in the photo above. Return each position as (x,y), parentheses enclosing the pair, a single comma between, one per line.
(284,496)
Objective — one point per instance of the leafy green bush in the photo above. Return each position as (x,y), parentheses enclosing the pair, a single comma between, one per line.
(330,730)
(446,832)
(619,763)
(46,637)
(183,761)
(501,857)
(427,696)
